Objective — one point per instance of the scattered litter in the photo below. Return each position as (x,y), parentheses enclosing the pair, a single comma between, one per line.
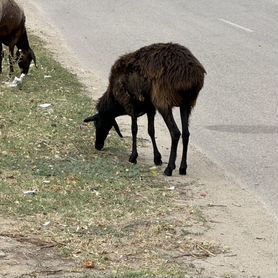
(46,224)
(172,188)
(96,192)
(30,192)
(236,205)
(84,126)
(45,105)
(16,81)
(2,254)
(216,205)
(153,170)
(46,181)
(89,264)
(47,76)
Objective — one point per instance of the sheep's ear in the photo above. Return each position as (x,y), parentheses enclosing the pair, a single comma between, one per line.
(34,58)
(117,128)
(91,119)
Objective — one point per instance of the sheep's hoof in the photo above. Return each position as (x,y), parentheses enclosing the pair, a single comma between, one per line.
(182,171)
(168,171)
(157,161)
(133,159)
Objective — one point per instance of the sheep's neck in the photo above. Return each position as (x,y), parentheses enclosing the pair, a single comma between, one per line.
(23,42)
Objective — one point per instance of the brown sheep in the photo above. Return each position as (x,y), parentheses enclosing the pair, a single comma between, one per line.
(13,33)
(155,77)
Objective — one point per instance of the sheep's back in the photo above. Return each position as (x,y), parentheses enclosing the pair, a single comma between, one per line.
(176,74)
(11,16)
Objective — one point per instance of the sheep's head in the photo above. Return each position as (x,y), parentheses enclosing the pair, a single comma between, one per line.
(103,124)
(24,60)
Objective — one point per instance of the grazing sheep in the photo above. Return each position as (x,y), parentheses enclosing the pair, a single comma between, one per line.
(156,77)
(13,33)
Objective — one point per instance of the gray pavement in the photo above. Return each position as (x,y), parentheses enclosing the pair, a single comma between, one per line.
(235,122)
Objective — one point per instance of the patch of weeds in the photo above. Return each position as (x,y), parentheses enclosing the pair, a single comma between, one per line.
(90,204)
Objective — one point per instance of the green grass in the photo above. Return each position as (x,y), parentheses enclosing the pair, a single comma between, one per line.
(92,205)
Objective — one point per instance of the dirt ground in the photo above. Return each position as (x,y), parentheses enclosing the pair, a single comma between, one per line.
(238,220)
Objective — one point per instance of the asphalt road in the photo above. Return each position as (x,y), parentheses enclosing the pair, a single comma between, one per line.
(235,122)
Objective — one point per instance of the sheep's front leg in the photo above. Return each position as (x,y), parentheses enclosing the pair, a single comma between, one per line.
(185,139)
(151,131)
(175,136)
(134,130)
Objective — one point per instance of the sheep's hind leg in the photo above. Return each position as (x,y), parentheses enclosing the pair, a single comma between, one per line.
(175,136)
(185,139)
(151,131)
(134,130)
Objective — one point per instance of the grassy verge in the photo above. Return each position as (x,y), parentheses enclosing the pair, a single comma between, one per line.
(91,205)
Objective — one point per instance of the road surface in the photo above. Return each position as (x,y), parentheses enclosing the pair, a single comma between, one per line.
(235,122)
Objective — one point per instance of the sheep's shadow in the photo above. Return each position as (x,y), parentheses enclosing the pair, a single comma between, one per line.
(247,129)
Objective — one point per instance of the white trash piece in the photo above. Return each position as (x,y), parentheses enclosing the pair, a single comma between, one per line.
(16,81)
(45,105)
(30,192)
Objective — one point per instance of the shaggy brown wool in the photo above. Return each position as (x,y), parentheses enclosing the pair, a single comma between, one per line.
(167,74)
(155,77)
